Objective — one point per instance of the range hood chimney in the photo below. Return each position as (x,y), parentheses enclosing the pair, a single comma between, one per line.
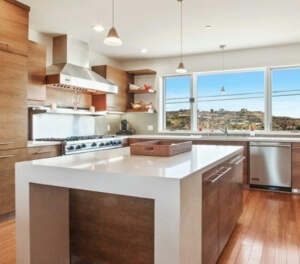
(70,69)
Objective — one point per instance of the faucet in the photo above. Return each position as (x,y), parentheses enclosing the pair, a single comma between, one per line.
(225,130)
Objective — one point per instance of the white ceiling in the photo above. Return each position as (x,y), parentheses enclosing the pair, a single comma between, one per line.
(155,24)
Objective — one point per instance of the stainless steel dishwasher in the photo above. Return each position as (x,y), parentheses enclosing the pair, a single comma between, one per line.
(270,165)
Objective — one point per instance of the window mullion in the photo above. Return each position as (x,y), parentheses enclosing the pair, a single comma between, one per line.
(268,101)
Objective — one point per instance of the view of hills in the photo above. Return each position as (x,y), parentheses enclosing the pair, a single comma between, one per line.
(234,120)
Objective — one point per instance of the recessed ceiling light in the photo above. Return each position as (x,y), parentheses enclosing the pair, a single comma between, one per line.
(208,27)
(143,50)
(98,28)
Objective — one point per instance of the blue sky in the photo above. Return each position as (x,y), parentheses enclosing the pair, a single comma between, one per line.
(243,90)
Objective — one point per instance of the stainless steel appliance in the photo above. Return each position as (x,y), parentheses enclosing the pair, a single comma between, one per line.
(70,69)
(81,144)
(270,165)
(124,128)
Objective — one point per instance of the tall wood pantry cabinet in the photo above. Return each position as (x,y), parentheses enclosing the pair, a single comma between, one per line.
(13,96)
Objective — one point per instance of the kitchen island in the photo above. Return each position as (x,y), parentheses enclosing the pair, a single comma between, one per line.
(172,184)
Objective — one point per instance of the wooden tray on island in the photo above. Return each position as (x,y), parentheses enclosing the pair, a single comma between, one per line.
(160,148)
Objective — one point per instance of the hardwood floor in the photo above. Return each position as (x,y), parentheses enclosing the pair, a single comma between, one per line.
(268,232)
(7,242)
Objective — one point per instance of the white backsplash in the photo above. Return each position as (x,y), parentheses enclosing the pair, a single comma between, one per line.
(60,126)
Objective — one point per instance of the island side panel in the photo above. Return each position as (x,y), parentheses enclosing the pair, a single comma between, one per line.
(49,224)
(111,228)
(191,219)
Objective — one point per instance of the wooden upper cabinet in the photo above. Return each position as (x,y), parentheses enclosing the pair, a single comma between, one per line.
(14,27)
(13,100)
(113,102)
(36,72)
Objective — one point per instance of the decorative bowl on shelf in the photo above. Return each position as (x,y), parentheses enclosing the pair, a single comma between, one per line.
(137,105)
(134,87)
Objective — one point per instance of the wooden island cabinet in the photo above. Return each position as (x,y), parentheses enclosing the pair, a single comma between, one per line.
(222,205)
(13,99)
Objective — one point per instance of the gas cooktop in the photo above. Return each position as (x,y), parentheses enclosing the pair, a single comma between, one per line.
(80,144)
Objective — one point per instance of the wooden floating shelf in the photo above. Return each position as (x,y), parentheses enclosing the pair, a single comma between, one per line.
(139,111)
(141,72)
(140,91)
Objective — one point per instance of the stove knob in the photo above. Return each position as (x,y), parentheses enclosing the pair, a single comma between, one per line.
(83,145)
(78,147)
(119,142)
(70,148)
(107,144)
(101,145)
(94,144)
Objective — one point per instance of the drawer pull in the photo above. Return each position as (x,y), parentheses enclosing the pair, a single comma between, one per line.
(7,143)
(219,175)
(44,152)
(6,157)
(239,161)
(5,43)
(233,161)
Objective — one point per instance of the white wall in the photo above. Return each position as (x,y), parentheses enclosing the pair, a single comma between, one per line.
(44,40)
(94,58)
(236,59)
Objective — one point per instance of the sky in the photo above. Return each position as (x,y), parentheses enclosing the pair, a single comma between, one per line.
(243,90)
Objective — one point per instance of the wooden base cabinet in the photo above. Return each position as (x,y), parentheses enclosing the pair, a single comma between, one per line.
(296,166)
(222,197)
(44,152)
(8,158)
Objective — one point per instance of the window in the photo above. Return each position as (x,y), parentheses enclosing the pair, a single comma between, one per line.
(241,106)
(252,99)
(177,94)
(285,99)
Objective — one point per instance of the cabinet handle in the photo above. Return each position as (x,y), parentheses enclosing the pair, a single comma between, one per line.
(220,175)
(7,143)
(233,161)
(5,43)
(239,161)
(6,157)
(43,152)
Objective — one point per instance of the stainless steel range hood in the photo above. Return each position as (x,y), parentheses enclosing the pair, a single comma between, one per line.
(70,69)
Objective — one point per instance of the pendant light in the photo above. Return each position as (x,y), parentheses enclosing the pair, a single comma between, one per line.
(112,38)
(181,68)
(222,47)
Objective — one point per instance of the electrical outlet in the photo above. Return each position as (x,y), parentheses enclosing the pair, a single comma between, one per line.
(150,127)
(108,127)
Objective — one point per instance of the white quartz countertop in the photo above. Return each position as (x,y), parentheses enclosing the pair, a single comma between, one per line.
(33,143)
(219,138)
(121,162)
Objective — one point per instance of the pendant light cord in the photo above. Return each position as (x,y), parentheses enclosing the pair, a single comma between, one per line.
(223,66)
(113,13)
(181,32)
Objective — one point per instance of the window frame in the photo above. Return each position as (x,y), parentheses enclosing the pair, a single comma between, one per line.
(194,106)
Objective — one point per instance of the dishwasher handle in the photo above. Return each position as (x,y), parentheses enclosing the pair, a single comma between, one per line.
(270,144)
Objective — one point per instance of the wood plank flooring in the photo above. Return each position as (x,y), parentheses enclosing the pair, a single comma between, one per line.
(7,242)
(268,232)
